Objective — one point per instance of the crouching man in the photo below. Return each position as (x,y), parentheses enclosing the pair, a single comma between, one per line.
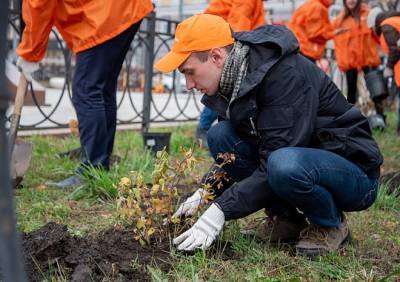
(302,152)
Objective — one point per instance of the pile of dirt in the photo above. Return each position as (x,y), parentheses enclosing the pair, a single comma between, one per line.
(113,254)
(392,181)
(52,251)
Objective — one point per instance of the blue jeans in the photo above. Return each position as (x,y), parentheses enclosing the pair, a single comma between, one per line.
(319,183)
(94,90)
(207,117)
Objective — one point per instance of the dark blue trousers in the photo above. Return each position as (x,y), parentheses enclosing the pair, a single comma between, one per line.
(319,183)
(94,96)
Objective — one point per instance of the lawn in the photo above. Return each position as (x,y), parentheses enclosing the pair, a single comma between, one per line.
(86,218)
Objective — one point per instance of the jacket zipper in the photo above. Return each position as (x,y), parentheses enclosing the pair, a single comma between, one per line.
(254,129)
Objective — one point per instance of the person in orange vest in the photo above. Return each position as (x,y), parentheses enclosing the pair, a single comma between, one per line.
(242,15)
(355,47)
(386,26)
(99,32)
(310,24)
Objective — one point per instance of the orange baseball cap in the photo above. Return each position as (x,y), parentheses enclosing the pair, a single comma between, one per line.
(198,33)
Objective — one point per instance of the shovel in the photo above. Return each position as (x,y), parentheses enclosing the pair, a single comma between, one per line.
(21,151)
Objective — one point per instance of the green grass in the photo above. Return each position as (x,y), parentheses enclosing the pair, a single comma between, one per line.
(38,207)
(374,254)
(37,203)
(389,144)
(386,200)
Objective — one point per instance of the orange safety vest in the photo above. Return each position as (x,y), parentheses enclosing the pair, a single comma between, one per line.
(355,47)
(395,23)
(242,15)
(310,24)
(82,24)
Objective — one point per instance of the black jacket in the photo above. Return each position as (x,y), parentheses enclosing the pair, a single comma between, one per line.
(287,101)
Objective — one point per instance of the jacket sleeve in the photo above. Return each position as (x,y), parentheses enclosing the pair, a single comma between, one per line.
(38,16)
(217,180)
(286,118)
(317,26)
(391,36)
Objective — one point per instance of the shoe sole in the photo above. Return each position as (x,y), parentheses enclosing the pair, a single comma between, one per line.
(314,253)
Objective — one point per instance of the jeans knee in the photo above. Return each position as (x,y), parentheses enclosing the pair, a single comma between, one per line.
(218,137)
(283,169)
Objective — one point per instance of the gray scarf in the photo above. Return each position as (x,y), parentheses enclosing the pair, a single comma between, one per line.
(234,71)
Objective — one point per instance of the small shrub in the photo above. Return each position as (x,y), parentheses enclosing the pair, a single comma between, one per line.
(147,205)
(150,206)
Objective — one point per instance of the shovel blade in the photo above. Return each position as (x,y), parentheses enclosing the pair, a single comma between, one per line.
(20,160)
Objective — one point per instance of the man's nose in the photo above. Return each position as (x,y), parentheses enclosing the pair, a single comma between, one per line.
(190,84)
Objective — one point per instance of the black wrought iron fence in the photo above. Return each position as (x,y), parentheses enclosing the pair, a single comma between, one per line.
(143,97)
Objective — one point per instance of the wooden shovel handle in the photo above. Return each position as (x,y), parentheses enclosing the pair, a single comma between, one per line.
(15,117)
(20,95)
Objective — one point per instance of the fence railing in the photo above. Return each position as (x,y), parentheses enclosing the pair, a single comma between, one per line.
(143,96)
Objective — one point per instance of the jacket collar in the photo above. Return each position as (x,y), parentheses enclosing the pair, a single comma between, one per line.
(268,44)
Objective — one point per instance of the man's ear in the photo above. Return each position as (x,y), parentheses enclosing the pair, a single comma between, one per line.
(218,56)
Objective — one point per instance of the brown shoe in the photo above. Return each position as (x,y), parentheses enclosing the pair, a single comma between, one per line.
(276,229)
(316,240)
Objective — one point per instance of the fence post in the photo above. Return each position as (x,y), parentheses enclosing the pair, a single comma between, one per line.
(10,255)
(21,23)
(148,70)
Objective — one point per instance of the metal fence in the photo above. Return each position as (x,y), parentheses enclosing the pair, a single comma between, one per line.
(11,263)
(143,96)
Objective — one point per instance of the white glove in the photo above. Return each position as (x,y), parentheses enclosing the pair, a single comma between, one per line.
(387,72)
(398,43)
(191,204)
(27,68)
(203,232)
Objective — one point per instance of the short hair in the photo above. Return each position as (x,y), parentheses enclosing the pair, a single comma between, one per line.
(203,55)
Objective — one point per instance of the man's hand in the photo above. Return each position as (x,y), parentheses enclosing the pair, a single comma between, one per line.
(388,72)
(203,232)
(398,43)
(191,204)
(27,68)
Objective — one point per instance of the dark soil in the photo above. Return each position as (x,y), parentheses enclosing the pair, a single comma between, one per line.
(392,180)
(113,254)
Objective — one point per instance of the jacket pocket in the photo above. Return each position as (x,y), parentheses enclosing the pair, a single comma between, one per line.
(275,117)
(275,128)
(363,150)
